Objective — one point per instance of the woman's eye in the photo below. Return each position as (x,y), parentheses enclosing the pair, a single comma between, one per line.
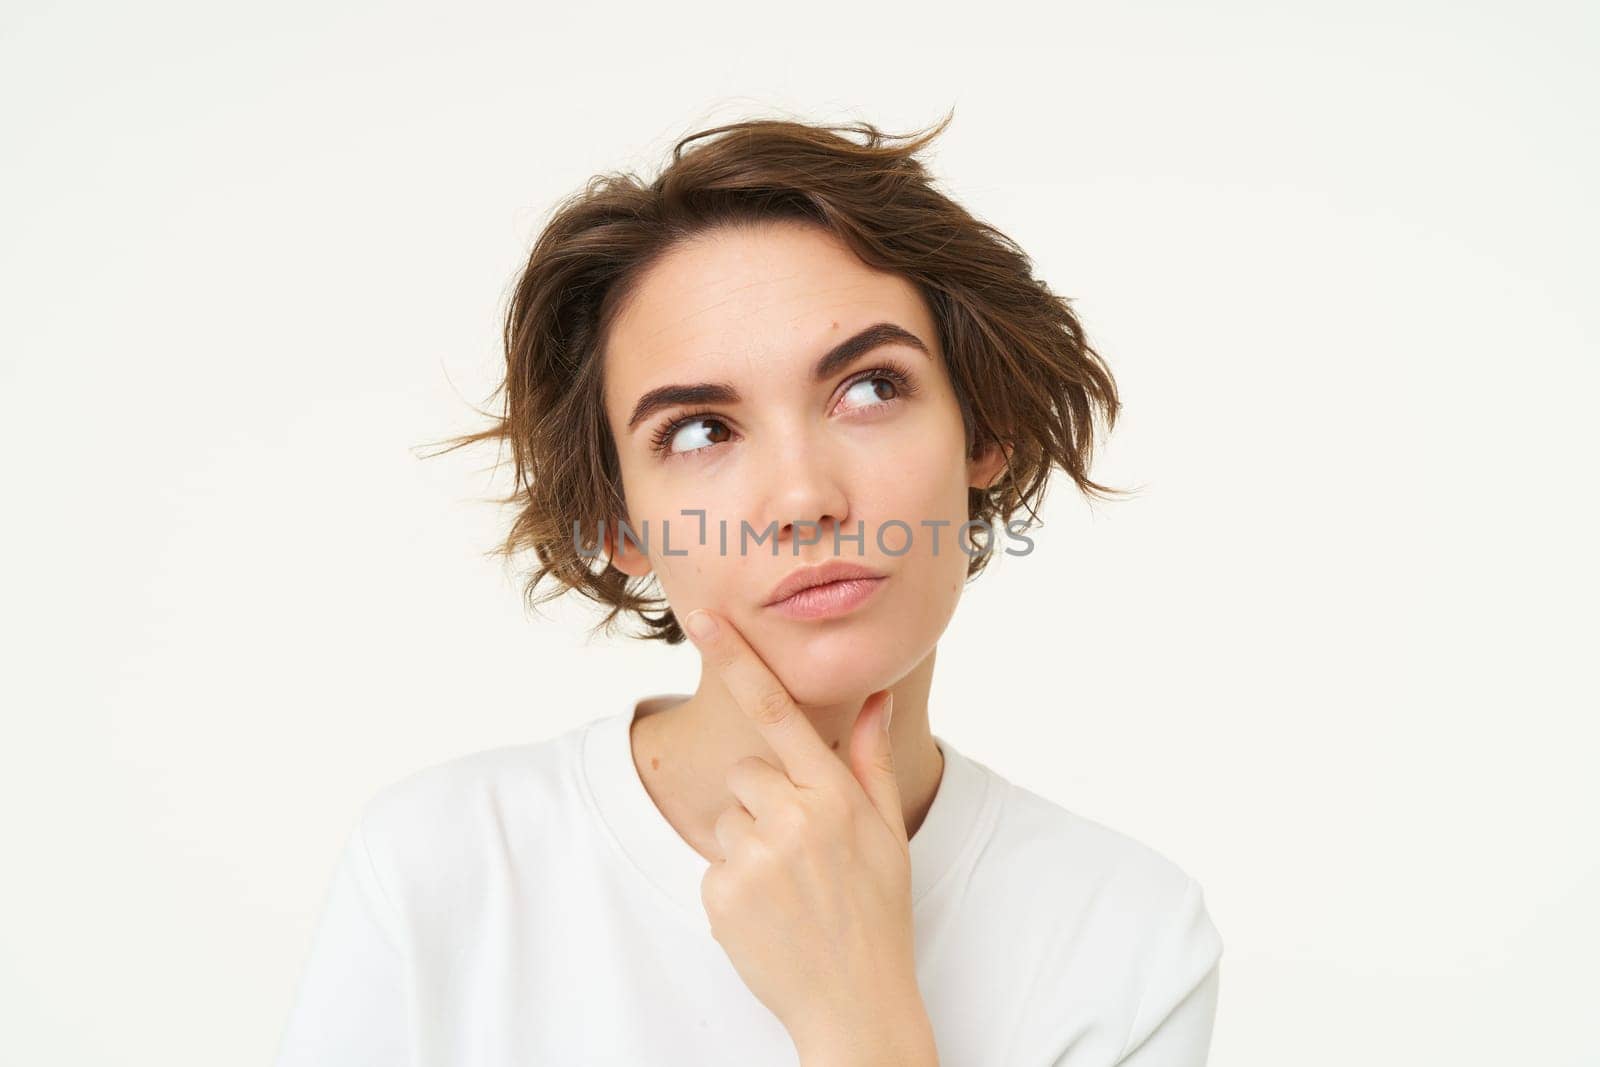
(872,390)
(695,433)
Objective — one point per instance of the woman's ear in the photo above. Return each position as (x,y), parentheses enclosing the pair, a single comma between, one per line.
(623,552)
(987,463)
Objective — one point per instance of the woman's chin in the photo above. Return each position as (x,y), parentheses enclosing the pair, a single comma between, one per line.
(827,667)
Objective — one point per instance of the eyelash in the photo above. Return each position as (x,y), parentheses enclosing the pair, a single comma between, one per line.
(895,373)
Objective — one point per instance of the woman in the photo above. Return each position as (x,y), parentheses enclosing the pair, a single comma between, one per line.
(799,391)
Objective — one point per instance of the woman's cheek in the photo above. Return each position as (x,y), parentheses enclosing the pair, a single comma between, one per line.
(696,579)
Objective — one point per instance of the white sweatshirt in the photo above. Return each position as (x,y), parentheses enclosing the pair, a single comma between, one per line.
(530,905)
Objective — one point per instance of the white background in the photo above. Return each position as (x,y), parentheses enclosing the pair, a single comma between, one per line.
(1336,660)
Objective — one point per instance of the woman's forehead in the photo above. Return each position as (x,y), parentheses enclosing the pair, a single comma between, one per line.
(752,302)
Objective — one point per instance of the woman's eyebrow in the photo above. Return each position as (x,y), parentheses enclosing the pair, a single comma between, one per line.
(839,356)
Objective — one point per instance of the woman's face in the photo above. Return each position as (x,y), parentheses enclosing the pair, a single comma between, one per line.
(877,437)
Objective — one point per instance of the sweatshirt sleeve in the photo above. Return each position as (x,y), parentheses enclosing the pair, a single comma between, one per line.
(352,1006)
(1172,1025)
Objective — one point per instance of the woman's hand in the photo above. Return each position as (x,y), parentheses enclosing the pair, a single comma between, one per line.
(812,901)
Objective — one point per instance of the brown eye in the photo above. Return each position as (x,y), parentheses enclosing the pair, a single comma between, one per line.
(690,434)
(872,391)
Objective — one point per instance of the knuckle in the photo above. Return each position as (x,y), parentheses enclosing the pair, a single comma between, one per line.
(715,895)
(793,823)
(760,857)
(710,894)
(771,705)
(726,820)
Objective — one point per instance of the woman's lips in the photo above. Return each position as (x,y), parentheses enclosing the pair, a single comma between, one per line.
(829,600)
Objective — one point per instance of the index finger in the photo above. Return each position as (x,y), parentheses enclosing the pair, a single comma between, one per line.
(807,758)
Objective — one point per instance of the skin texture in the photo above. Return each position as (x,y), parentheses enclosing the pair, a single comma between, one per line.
(755,308)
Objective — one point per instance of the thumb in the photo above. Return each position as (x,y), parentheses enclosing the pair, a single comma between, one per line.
(872,759)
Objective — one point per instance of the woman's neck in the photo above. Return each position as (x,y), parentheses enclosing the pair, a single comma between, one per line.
(684,750)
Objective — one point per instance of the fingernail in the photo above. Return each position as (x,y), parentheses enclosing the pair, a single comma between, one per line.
(888,711)
(701,627)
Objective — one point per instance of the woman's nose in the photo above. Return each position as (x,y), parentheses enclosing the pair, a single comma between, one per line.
(808,497)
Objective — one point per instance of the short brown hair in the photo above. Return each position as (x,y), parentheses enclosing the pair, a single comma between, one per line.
(1022,369)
